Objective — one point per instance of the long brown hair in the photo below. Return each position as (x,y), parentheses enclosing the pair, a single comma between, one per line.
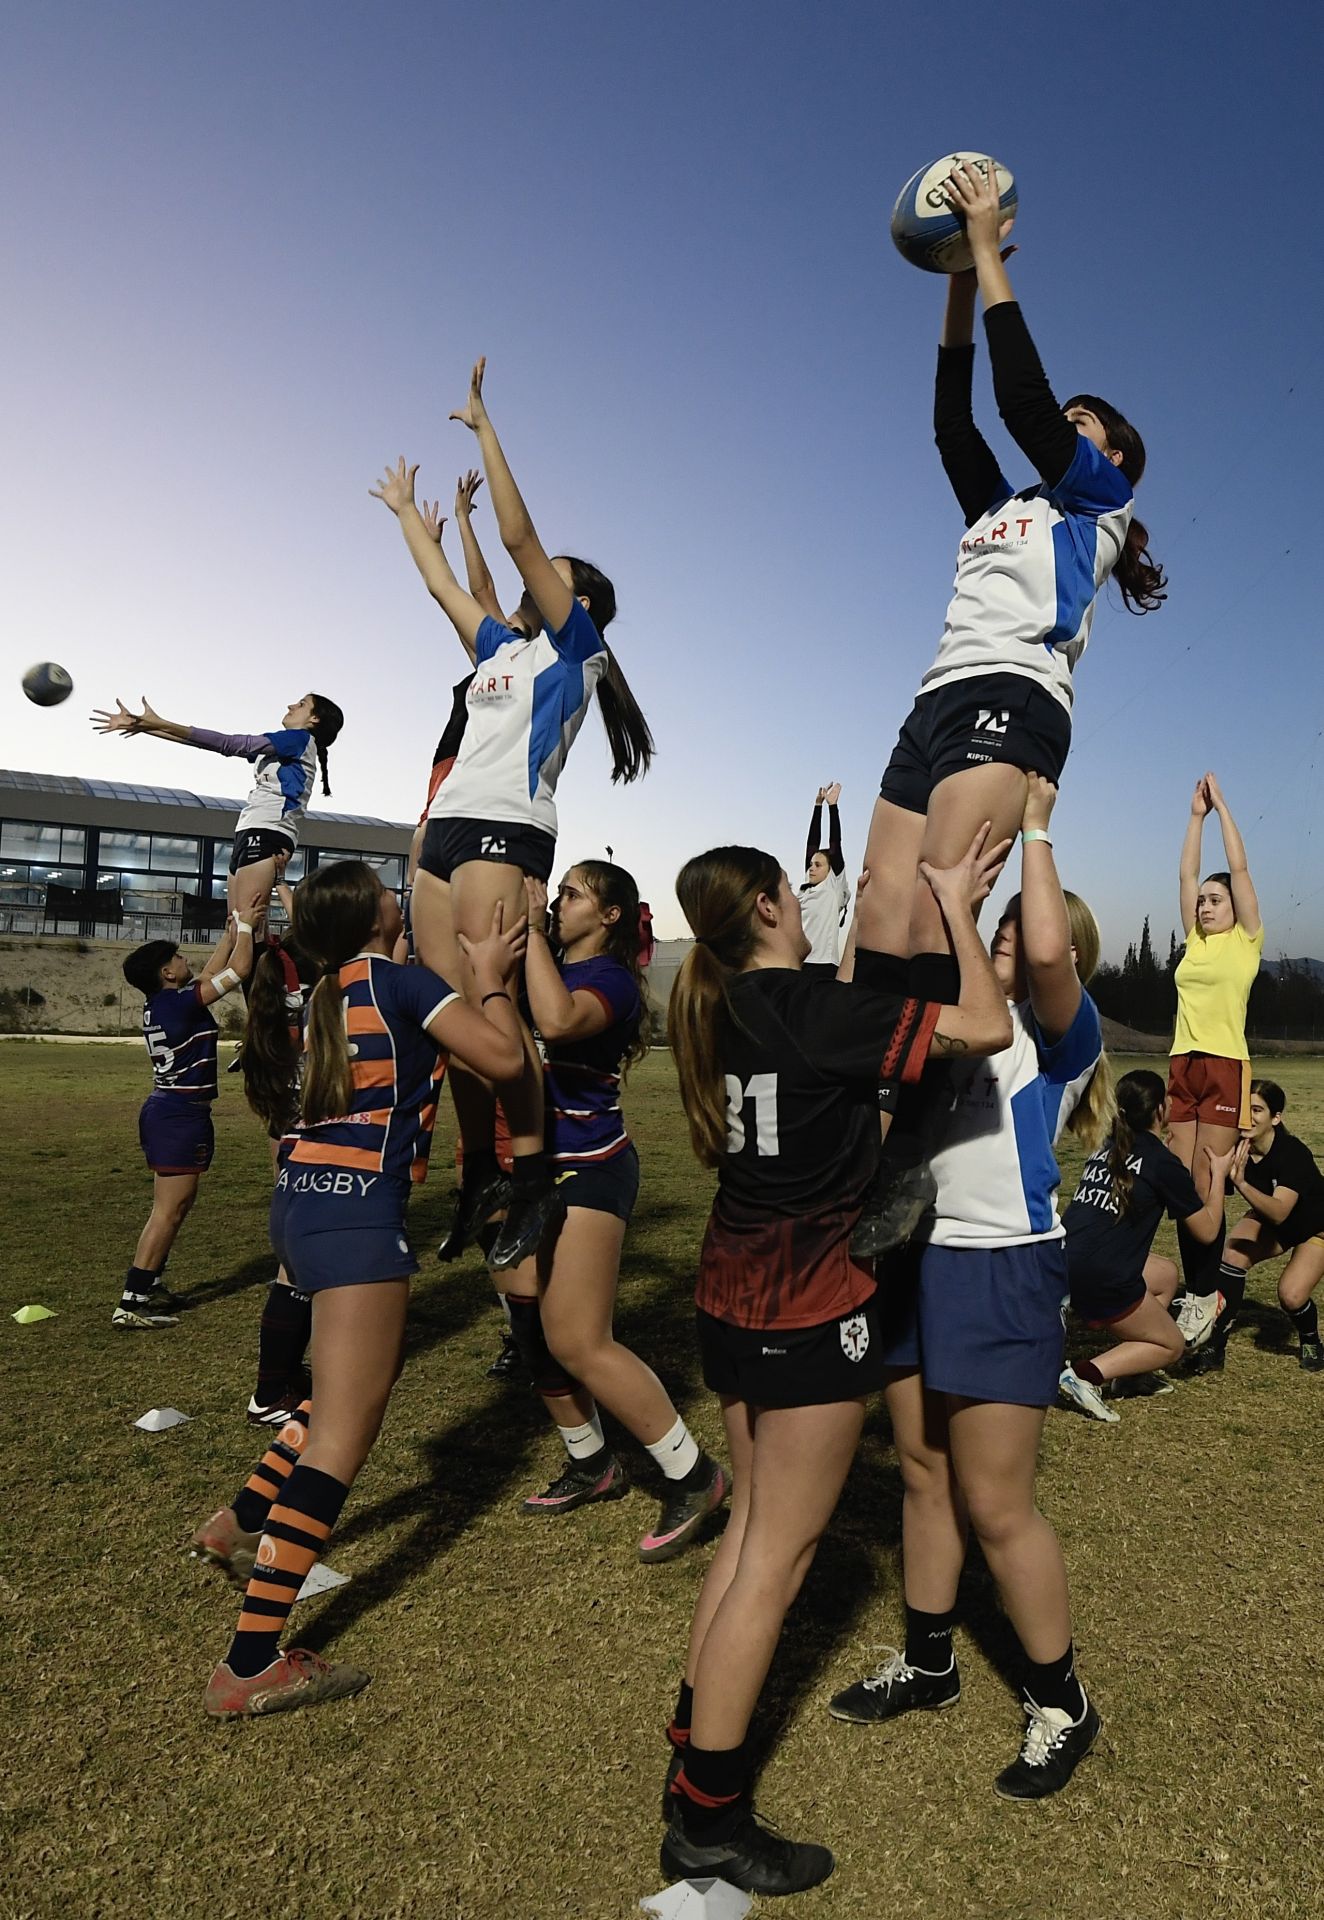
(1092,1117)
(325,725)
(628,733)
(335,911)
(1142,580)
(273,1034)
(612,886)
(718,892)
(1139,1097)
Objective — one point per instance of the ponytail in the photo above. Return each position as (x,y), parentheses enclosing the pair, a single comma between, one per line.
(628,733)
(1139,1097)
(1142,580)
(717,893)
(335,912)
(273,1037)
(327,720)
(1092,1116)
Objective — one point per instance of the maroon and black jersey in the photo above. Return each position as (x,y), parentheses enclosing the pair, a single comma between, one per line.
(801,1057)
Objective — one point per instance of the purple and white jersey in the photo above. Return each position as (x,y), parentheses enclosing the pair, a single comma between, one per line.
(583,1077)
(1029,574)
(526,702)
(286,765)
(180,1035)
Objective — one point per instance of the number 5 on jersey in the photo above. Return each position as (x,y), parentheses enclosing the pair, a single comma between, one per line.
(762,1090)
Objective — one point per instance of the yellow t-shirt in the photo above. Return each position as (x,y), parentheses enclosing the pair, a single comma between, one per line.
(1214,978)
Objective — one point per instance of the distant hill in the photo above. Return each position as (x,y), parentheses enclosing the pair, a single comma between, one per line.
(1313,968)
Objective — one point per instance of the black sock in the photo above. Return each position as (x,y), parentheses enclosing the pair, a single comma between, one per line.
(1305,1319)
(1053,1683)
(710,1789)
(1086,1370)
(1231,1283)
(929,1639)
(282,1337)
(138,1283)
(529,1171)
(678,1733)
(1200,1260)
(699,1474)
(480,1164)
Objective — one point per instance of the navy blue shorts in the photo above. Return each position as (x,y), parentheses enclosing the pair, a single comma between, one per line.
(176,1133)
(795,1366)
(333,1228)
(987,1323)
(258,843)
(991,719)
(453,841)
(603,1186)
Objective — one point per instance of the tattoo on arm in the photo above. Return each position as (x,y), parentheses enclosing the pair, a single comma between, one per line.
(950,1044)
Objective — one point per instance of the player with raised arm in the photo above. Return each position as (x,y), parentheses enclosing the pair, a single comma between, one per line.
(825,890)
(997,700)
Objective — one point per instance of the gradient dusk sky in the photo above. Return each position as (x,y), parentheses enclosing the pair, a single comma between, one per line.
(251,251)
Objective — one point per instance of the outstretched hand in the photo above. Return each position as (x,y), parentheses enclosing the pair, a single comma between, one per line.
(433,520)
(967,884)
(124,720)
(535,892)
(1201,800)
(833,793)
(1040,799)
(473,413)
(397,487)
(466,489)
(1223,1163)
(973,195)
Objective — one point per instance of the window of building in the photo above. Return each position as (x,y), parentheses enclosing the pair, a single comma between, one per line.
(133,850)
(29,840)
(172,853)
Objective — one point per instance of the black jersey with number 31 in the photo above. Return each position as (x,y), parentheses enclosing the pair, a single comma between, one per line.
(801,1058)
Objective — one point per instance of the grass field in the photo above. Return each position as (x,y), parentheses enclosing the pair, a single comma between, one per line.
(506,1760)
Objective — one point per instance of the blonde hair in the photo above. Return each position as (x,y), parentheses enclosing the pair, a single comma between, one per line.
(718,892)
(1095,1111)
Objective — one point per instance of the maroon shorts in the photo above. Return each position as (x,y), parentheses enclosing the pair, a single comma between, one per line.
(1204,1086)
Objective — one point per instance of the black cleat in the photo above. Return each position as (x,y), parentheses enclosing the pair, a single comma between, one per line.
(527,1220)
(1210,1359)
(669,1799)
(756,1858)
(507,1365)
(895,1688)
(894,1206)
(602,1478)
(1312,1356)
(163,1301)
(474,1205)
(684,1510)
(1053,1747)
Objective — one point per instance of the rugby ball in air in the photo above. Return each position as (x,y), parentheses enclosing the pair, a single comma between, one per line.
(924,228)
(47,684)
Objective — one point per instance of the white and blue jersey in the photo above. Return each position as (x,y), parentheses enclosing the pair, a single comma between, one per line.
(526,703)
(996,1172)
(286,764)
(1029,573)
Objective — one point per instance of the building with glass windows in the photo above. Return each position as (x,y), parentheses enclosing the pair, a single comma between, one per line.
(115,861)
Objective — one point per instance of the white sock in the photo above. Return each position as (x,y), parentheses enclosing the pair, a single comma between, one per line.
(581,1443)
(676,1452)
(505,1306)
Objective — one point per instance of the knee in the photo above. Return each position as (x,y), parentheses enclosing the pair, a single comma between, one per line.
(996,1515)
(1292,1293)
(926,1478)
(1172,1344)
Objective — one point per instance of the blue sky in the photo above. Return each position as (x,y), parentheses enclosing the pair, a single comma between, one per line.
(251,253)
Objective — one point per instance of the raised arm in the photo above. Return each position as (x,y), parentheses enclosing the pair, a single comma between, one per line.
(125,721)
(1189,871)
(557,1013)
(519,537)
(836,858)
(229,963)
(475,566)
(1050,966)
(1025,400)
(1245,901)
(979,1022)
(814,839)
(968,460)
(464,613)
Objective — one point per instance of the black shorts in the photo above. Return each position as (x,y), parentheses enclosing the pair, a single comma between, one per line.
(258,843)
(603,1186)
(794,1366)
(820,969)
(1100,1295)
(451,843)
(992,719)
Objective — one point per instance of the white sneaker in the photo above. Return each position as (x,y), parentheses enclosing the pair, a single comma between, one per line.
(1085,1395)
(142,1318)
(1196,1315)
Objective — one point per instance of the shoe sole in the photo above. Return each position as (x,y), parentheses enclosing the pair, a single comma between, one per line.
(145,1326)
(878,1720)
(676,1543)
(1078,1406)
(617,1491)
(1032,1799)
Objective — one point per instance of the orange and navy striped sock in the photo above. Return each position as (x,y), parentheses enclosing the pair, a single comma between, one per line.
(296,1533)
(710,1791)
(252,1503)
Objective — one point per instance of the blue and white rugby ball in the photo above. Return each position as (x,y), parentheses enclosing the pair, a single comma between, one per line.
(924,228)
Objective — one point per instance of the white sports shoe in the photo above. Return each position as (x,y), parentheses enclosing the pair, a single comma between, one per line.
(1085,1395)
(1196,1316)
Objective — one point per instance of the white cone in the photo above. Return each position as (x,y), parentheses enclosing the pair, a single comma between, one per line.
(157,1419)
(320,1579)
(698,1900)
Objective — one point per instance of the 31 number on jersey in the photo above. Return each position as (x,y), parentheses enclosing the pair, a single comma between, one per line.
(762,1091)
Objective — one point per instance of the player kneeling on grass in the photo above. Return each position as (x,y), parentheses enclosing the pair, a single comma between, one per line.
(174,1125)
(1278,1175)
(1116,1282)
(375,1061)
(588,1009)
(779,1078)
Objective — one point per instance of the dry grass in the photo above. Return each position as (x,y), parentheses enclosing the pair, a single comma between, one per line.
(506,1760)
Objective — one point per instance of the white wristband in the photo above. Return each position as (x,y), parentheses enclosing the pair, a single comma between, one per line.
(1035,833)
(241,926)
(225,981)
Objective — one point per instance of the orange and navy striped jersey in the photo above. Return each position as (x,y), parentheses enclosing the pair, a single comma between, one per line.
(397,1070)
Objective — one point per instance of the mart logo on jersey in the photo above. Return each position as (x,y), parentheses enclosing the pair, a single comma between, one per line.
(991,722)
(854,1336)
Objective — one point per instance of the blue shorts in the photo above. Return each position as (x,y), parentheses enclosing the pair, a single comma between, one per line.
(333,1228)
(603,1186)
(987,1323)
(176,1133)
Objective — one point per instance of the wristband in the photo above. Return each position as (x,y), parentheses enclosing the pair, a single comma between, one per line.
(1035,833)
(241,926)
(226,981)
(499,993)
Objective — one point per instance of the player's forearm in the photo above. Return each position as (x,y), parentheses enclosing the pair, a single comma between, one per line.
(979,1023)
(514,521)
(995,288)
(1234,847)
(812,840)
(1045,927)
(958,320)
(1190,848)
(550,1000)
(836,859)
(476,570)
